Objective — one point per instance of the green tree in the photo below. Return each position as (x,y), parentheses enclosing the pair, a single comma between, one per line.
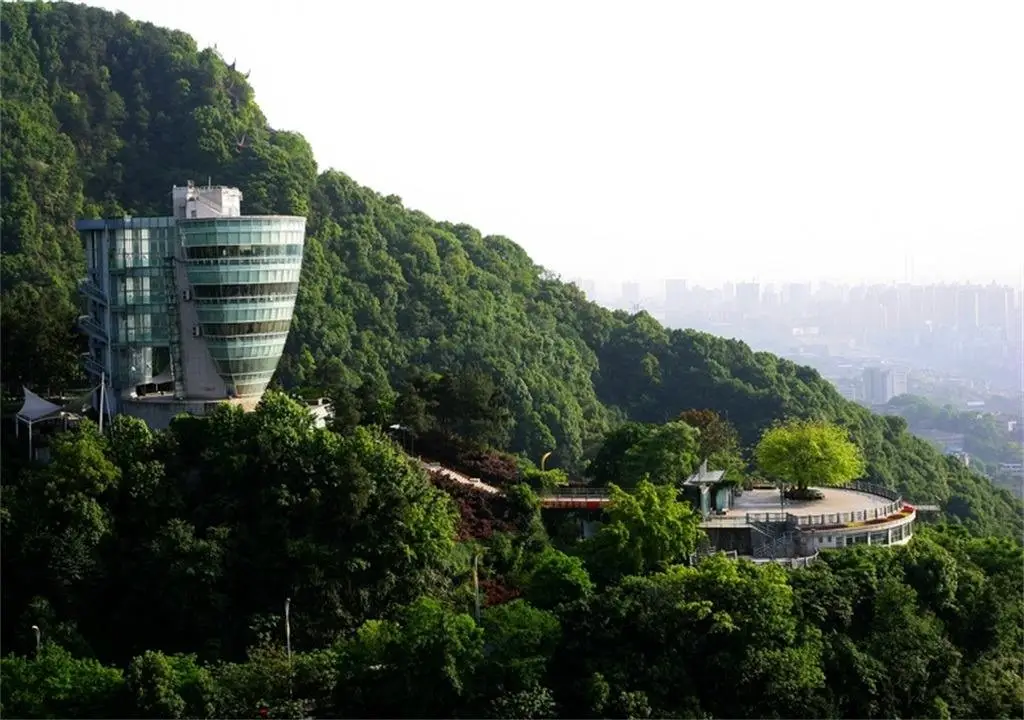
(420,665)
(608,465)
(169,687)
(646,530)
(558,578)
(298,686)
(718,442)
(56,685)
(666,456)
(804,454)
(520,642)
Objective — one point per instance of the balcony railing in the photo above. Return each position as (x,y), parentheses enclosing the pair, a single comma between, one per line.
(810,522)
(91,327)
(91,290)
(91,366)
(577,492)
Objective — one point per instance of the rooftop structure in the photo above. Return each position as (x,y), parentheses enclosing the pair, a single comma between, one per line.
(760,524)
(189,310)
(704,481)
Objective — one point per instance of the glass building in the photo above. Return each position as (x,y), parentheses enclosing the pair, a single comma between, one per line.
(187,311)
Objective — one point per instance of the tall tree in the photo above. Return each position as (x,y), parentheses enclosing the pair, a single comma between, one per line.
(804,453)
(646,530)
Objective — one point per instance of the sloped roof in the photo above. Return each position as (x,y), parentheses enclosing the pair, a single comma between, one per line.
(703,476)
(35,408)
(162,378)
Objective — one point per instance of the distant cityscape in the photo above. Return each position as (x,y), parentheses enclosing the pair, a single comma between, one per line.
(955,343)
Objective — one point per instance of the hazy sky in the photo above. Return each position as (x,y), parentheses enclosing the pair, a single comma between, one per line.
(706,140)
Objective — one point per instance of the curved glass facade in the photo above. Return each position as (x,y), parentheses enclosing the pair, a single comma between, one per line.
(244,272)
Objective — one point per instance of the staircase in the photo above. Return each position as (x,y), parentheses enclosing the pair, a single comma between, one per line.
(781,547)
(174,328)
(771,540)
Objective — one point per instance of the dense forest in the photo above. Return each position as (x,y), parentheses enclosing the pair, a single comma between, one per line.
(157,565)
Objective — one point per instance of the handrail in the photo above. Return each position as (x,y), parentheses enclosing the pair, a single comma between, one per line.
(837,518)
(576,492)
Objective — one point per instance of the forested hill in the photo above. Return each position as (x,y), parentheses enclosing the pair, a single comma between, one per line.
(102,115)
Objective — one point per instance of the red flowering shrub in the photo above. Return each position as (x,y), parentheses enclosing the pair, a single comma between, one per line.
(481,514)
(494,591)
(493,467)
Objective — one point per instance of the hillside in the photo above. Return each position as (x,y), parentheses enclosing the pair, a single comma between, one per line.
(102,115)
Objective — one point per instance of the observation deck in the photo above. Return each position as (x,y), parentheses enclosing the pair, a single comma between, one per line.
(760,524)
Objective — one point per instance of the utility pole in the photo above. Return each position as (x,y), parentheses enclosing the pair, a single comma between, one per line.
(288,640)
(476,585)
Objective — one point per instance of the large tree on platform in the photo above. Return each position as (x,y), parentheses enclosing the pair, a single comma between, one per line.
(804,453)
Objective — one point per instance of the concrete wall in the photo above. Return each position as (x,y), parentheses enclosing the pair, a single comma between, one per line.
(201,377)
(731,538)
(159,413)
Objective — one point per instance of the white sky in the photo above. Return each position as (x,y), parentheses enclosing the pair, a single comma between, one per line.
(706,140)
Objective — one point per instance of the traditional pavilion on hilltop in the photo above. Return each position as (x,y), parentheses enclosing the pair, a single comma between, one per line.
(705,480)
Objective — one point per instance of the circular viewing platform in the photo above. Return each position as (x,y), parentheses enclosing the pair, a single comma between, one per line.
(859,513)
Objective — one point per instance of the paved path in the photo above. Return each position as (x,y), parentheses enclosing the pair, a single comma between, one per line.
(563,498)
(475,483)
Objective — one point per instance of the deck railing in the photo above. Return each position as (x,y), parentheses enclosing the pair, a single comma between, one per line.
(565,491)
(823,519)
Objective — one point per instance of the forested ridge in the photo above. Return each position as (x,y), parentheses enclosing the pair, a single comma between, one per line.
(102,115)
(157,564)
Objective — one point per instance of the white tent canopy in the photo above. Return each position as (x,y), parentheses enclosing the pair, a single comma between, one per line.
(35,408)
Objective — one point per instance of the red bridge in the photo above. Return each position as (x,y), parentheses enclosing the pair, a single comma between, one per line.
(575,498)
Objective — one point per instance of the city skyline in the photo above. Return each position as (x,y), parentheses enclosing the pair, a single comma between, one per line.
(659,285)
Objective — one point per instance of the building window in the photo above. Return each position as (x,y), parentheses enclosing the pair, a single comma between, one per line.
(252,328)
(246,290)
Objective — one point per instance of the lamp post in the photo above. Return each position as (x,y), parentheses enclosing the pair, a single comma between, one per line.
(544,459)
(288,640)
(288,628)
(476,585)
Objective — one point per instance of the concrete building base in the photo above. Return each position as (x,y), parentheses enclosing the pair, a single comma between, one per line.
(159,411)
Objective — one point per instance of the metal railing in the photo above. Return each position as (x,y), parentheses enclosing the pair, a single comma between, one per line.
(576,492)
(92,366)
(826,519)
(822,519)
(873,489)
(89,288)
(89,324)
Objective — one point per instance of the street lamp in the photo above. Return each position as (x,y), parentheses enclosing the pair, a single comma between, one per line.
(35,629)
(288,641)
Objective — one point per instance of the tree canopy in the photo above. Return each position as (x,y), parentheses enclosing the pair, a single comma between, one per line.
(806,453)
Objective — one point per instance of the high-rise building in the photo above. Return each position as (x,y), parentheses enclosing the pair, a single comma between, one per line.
(190,310)
(677,302)
(748,297)
(797,294)
(883,384)
(630,296)
(995,307)
(967,308)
